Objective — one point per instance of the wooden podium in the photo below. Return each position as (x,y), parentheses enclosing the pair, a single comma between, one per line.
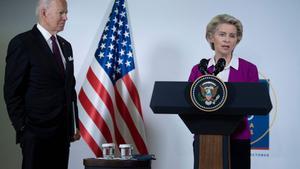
(215,127)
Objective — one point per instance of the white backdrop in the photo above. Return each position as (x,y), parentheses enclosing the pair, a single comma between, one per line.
(169,38)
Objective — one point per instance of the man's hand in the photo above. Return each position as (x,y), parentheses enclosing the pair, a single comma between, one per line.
(76,135)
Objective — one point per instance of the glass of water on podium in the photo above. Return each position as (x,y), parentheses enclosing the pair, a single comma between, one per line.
(126,151)
(108,150)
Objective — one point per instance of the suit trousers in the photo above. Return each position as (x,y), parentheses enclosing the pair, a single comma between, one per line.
(44,152)
(240,154)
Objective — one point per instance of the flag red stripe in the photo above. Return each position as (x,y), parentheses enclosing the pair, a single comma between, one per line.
(101,91)
(89,140)
(106,98)
(133,93)
(139,142)
(95,116)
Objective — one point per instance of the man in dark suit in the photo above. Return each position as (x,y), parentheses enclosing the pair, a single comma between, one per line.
(39,90)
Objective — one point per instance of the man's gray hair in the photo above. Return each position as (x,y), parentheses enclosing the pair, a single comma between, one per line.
(42,4)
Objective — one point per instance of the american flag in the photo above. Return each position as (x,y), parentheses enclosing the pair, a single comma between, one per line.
(109,105)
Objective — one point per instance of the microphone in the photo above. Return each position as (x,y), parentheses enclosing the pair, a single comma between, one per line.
(203,66)
(219,66)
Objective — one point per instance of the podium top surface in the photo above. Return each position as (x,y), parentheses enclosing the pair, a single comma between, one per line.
(174,98)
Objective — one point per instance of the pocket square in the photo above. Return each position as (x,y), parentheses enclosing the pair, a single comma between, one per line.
(70,58)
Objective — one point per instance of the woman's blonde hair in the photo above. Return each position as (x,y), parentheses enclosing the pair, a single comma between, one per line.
(221,19)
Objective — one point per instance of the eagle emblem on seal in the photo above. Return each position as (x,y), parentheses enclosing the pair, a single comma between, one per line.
(209,94)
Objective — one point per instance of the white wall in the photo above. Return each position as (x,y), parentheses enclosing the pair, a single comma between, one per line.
(168,37)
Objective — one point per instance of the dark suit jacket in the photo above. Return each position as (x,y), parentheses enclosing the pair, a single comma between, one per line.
(38,97)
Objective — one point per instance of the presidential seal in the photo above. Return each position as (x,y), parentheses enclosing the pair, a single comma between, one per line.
(208,93)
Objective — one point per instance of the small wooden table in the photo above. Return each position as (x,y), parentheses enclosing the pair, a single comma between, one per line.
(94,163)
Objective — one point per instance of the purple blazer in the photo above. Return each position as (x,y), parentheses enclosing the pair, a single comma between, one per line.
(247,72)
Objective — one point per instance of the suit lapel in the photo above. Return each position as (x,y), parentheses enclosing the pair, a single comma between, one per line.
(43,45)
(67,54)
(42,42)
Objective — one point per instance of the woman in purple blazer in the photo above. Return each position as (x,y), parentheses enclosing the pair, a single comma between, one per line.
(223,33)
